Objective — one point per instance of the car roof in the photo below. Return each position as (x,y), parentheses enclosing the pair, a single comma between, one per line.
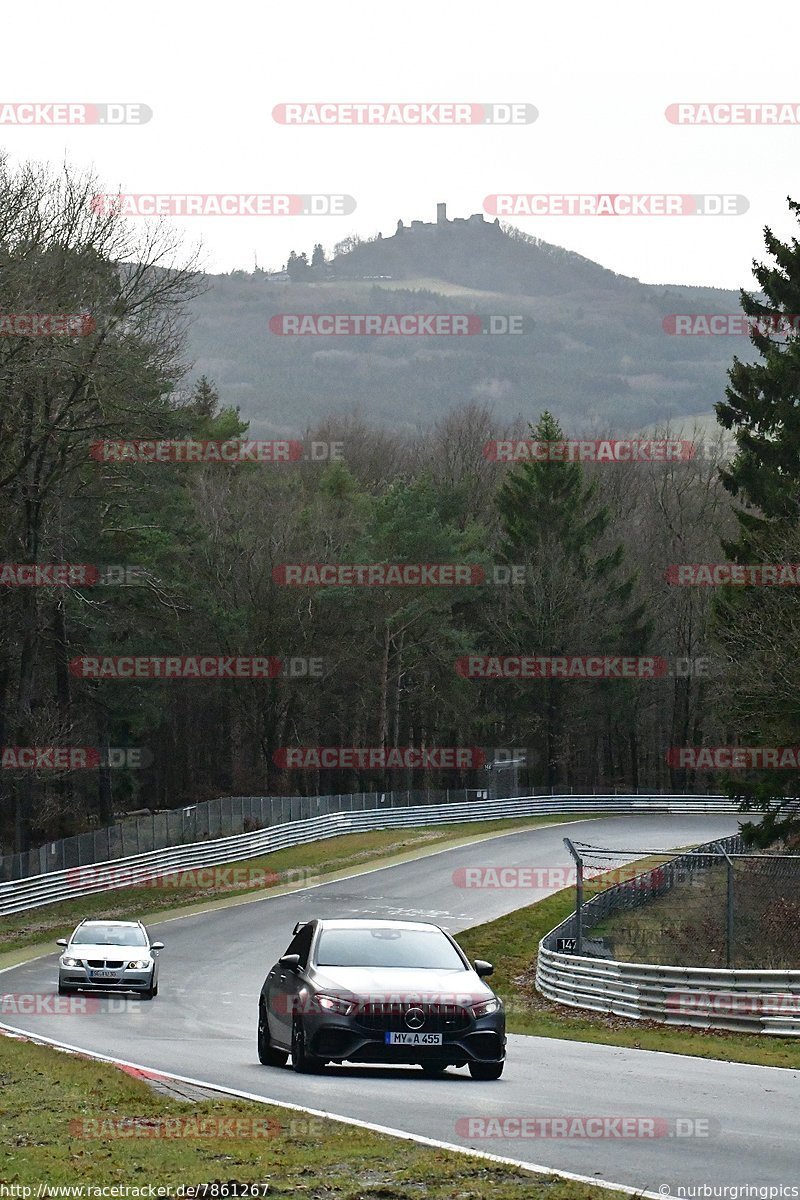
(366,923)
(99,921)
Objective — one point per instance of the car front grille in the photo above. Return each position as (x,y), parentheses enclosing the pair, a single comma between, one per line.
(102,962)
(390,1017)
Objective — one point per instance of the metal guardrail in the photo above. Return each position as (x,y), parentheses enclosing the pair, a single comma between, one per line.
(749,1001)
(201,822)
(228,815)
(20,895)
(746,1001)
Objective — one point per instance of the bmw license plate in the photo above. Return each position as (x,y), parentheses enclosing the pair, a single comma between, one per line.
(413,1039)
(104,974)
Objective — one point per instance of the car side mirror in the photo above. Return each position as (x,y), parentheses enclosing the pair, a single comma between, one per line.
(62,942)
(482,967)
(290,961)
(156,945)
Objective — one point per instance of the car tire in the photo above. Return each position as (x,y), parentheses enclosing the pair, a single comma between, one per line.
(148,993)
(63,990)
(486,1070)
(303,1062)
(433,1070)
(267,1054)
(155,989)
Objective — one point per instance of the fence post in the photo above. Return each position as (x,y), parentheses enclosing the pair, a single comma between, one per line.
(729,908)
(578,896)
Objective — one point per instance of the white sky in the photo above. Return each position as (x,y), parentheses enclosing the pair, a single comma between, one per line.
(600,75)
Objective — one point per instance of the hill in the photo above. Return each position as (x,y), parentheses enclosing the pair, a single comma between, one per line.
(594,350)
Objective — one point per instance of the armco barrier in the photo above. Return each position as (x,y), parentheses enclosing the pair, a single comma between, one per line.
(19,895)
(706,998)
(751,1001)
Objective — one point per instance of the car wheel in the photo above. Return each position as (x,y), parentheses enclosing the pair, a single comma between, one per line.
(486,1070)
(433,1069)
(148,993)
(63,990)
(302,1061)
(267,1054)
(155,989)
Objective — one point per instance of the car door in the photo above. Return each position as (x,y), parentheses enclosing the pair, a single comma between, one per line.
(283,984)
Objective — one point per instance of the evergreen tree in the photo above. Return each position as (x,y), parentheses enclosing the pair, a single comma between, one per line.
(205,398)
(297,266)
(318,256)
(757,627)
(578,598)
(763,403)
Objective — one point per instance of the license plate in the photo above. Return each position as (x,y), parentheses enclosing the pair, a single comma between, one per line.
(104,974)
(413,1039)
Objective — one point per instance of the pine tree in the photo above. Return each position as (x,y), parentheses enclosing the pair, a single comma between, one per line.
(757,627)
(763,402)
(205,398)
(578,598)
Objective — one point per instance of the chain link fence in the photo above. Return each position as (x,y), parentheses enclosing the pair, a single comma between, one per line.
(202,822)
(243,814)
(715,906)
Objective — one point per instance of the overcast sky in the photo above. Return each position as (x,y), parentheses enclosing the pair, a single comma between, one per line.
(600,76)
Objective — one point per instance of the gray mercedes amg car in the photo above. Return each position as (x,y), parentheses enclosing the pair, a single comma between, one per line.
(367,991)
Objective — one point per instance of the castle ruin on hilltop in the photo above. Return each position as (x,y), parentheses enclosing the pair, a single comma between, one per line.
(442,222)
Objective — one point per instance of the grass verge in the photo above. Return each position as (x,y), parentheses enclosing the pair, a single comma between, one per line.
(49,1100)
(511,943)
(312,863)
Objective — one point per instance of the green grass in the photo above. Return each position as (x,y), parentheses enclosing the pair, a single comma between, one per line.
(511,943)
(313,862)
(44,1094)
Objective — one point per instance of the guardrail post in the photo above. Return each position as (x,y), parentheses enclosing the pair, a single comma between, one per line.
(578,896)
(729,908)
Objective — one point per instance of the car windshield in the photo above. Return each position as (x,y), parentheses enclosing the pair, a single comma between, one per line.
(108,935)
(382,947)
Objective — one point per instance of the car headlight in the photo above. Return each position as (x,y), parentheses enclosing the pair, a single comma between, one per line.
(484,1007)
(335,1004)
(71,962)
(139,964)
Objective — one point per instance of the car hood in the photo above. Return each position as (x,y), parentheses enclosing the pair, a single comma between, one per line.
(405,984)
(90,950)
